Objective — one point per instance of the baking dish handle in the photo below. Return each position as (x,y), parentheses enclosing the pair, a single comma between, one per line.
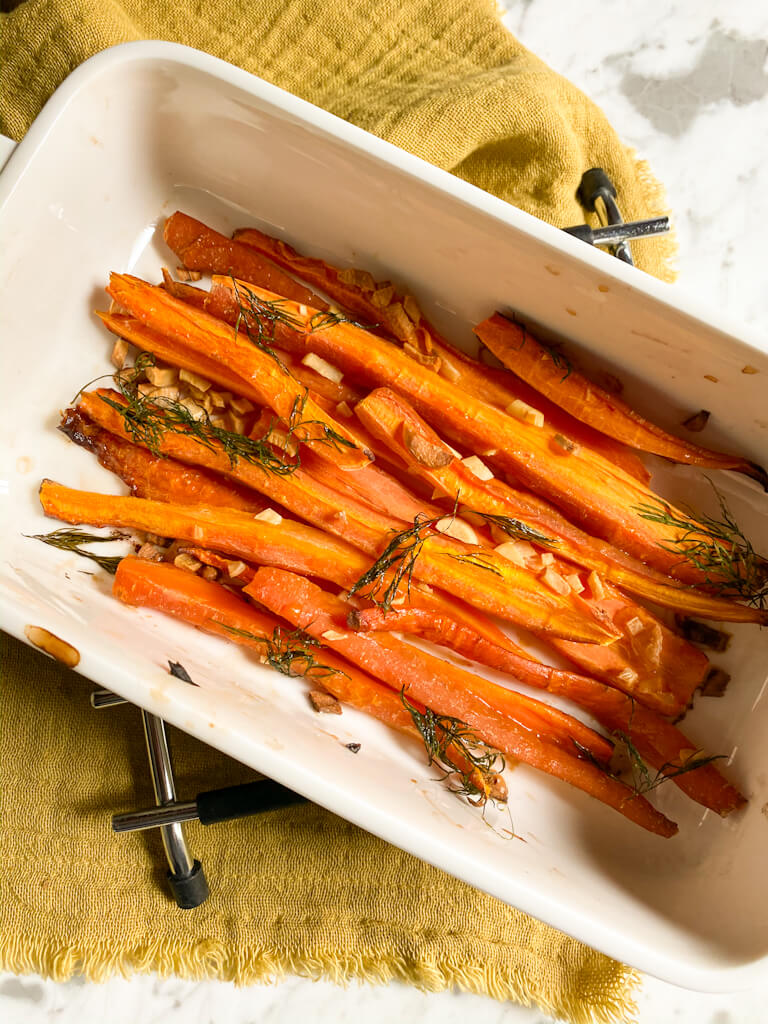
(7,146)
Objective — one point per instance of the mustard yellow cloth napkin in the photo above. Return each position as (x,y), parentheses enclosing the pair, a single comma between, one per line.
(297,890)
(440,78)
(300,890)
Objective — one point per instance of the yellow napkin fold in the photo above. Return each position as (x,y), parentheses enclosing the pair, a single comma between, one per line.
(440,78)
(299,890)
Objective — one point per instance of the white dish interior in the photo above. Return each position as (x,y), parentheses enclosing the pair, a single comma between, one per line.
(145,129)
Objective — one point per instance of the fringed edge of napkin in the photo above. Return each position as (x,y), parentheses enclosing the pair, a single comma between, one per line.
(213,960)
(667,245)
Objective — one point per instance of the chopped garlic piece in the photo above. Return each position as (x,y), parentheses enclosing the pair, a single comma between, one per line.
(268,515)
(241,405)
(195,380)
(343,409)
(321,366)
(555,581)
(162,376)
(596,586)
(478,468)
(514,552)
(526,413)
(332,634)
(235,569)
(119,353)
(185,561)
(574,582)
(628,676)
(547,558)
(635,626)
(448,370)
(456,527)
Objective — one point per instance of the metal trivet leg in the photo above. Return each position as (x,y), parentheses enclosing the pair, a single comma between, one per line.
(186,877)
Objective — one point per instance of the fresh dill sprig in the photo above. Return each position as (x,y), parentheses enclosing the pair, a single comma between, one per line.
(446,737)
(480,560)
(71,540)
(718,548)
(400,556)
(148,419)
(516,528)
(329,436)
(288,652)
(561,361)
(261,317)
(644,780)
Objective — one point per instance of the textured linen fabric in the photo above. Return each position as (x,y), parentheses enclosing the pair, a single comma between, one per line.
(299,890)
(440,78)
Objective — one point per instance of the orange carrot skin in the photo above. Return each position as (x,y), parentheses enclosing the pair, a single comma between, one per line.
(591,404)
(512,593)
(149,476)
(493,386)
(657,741)
(212,608)
(426,678)
(288,544)
(201,248)
(585,485)
(386,416)
(207,336)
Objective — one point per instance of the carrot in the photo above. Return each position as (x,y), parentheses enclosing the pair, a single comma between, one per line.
(201,248)
(381,304)
(391,419)
(583,483)
(214,609)
(588,402)
(658,742)
(515,594)
(442,686)
(287,544)
(150,476)
(207,336)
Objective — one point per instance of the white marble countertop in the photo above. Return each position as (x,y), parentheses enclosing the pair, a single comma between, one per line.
(686,83)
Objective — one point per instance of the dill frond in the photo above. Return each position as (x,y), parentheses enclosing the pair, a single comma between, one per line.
(516,529)
(288,653)
(718,548)
(446,737)
(480,560)
(644,780)
(399,557)
(71,540)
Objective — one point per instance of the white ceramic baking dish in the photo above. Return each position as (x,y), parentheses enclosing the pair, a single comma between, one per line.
(146,128)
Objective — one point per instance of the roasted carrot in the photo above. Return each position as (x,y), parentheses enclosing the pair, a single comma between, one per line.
(497,586)
(201,248)
(392,420)
(583,484)
(207,336)
(658,742)
(214,609)
(381,304)
(571,390)
(440,685)
(150,476)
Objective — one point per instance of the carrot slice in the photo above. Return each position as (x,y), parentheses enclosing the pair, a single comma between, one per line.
(390,419)
(150,476)
(584,484)
(443,687)
(657,741)
(588,402)
(207,336)
(214,609)
(380,303)
(201,248)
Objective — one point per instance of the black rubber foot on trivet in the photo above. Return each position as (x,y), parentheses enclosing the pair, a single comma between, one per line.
(191,891)
(593,182)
